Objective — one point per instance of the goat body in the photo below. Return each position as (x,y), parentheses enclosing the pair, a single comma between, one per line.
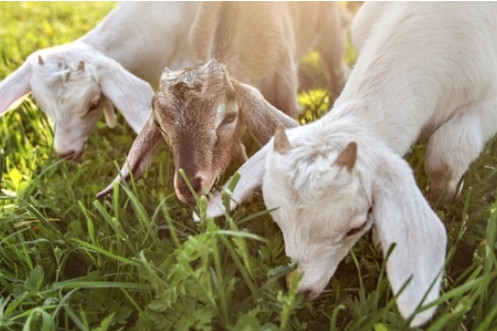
(261,43)
(203,111)
(72,83)
(146,37)
(423,68)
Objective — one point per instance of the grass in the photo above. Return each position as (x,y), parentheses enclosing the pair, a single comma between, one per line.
(136,261)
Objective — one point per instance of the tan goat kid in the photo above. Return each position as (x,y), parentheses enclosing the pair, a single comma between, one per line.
(201,113)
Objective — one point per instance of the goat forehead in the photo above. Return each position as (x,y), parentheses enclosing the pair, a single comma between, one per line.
(190,109)
(62,92)
(306,170)
(319,206)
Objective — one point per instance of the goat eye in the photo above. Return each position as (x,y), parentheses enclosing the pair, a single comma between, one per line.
(229,118)
(94,105)
(354,231)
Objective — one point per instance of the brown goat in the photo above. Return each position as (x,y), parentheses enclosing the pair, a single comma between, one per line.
(202,112)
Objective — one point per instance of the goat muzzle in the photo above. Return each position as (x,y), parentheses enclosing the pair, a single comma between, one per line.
(71,155)
(184,192)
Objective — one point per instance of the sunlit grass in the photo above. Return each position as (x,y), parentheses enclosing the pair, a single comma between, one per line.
(137,261)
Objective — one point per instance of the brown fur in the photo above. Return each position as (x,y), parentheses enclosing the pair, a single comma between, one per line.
(261,43)
(185,113)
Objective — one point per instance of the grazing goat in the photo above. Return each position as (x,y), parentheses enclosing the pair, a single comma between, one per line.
(202,112)
(72,83)
(424,68)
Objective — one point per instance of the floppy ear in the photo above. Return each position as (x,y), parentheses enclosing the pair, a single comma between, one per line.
(403,217)
(259,116)
(109,113)
(15,86)
(131,95)
(143,150)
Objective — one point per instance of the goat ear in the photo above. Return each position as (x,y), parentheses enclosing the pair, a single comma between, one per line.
(109,113)
(281,143)
(128,93)
(15,86)
(347,157)
(143,150)
(403,217)
(260,117)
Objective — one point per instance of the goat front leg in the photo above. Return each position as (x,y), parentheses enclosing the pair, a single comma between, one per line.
(457,143)
(332,46)
(282,90)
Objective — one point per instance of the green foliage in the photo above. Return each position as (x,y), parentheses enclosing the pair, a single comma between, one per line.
(137,261)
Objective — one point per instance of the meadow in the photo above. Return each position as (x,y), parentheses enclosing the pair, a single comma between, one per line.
(137,261)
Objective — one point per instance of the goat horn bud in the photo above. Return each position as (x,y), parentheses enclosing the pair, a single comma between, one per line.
(212,65)
(40,60)
(81,66)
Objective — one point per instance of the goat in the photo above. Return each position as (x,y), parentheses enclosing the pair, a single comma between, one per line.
(201,113)
(424,68)
(73,82)
(259,44)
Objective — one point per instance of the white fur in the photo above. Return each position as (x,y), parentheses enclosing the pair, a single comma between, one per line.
(136,37)
(318,202)
(424,68)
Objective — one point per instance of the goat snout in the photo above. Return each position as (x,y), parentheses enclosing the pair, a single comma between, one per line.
(184,192)
(70,155)
(308,293)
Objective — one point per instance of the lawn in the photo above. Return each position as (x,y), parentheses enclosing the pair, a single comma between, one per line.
(137,261)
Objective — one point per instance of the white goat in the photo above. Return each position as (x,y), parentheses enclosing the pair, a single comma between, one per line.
(72,83)
(426,68)
(202,111)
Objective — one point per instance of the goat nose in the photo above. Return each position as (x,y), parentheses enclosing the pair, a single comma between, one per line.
(307,293)
(185,193)
(196,184)
(70,155)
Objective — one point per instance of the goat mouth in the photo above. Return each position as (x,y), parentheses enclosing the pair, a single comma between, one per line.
(187,197)
(72,156)
(214,186)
